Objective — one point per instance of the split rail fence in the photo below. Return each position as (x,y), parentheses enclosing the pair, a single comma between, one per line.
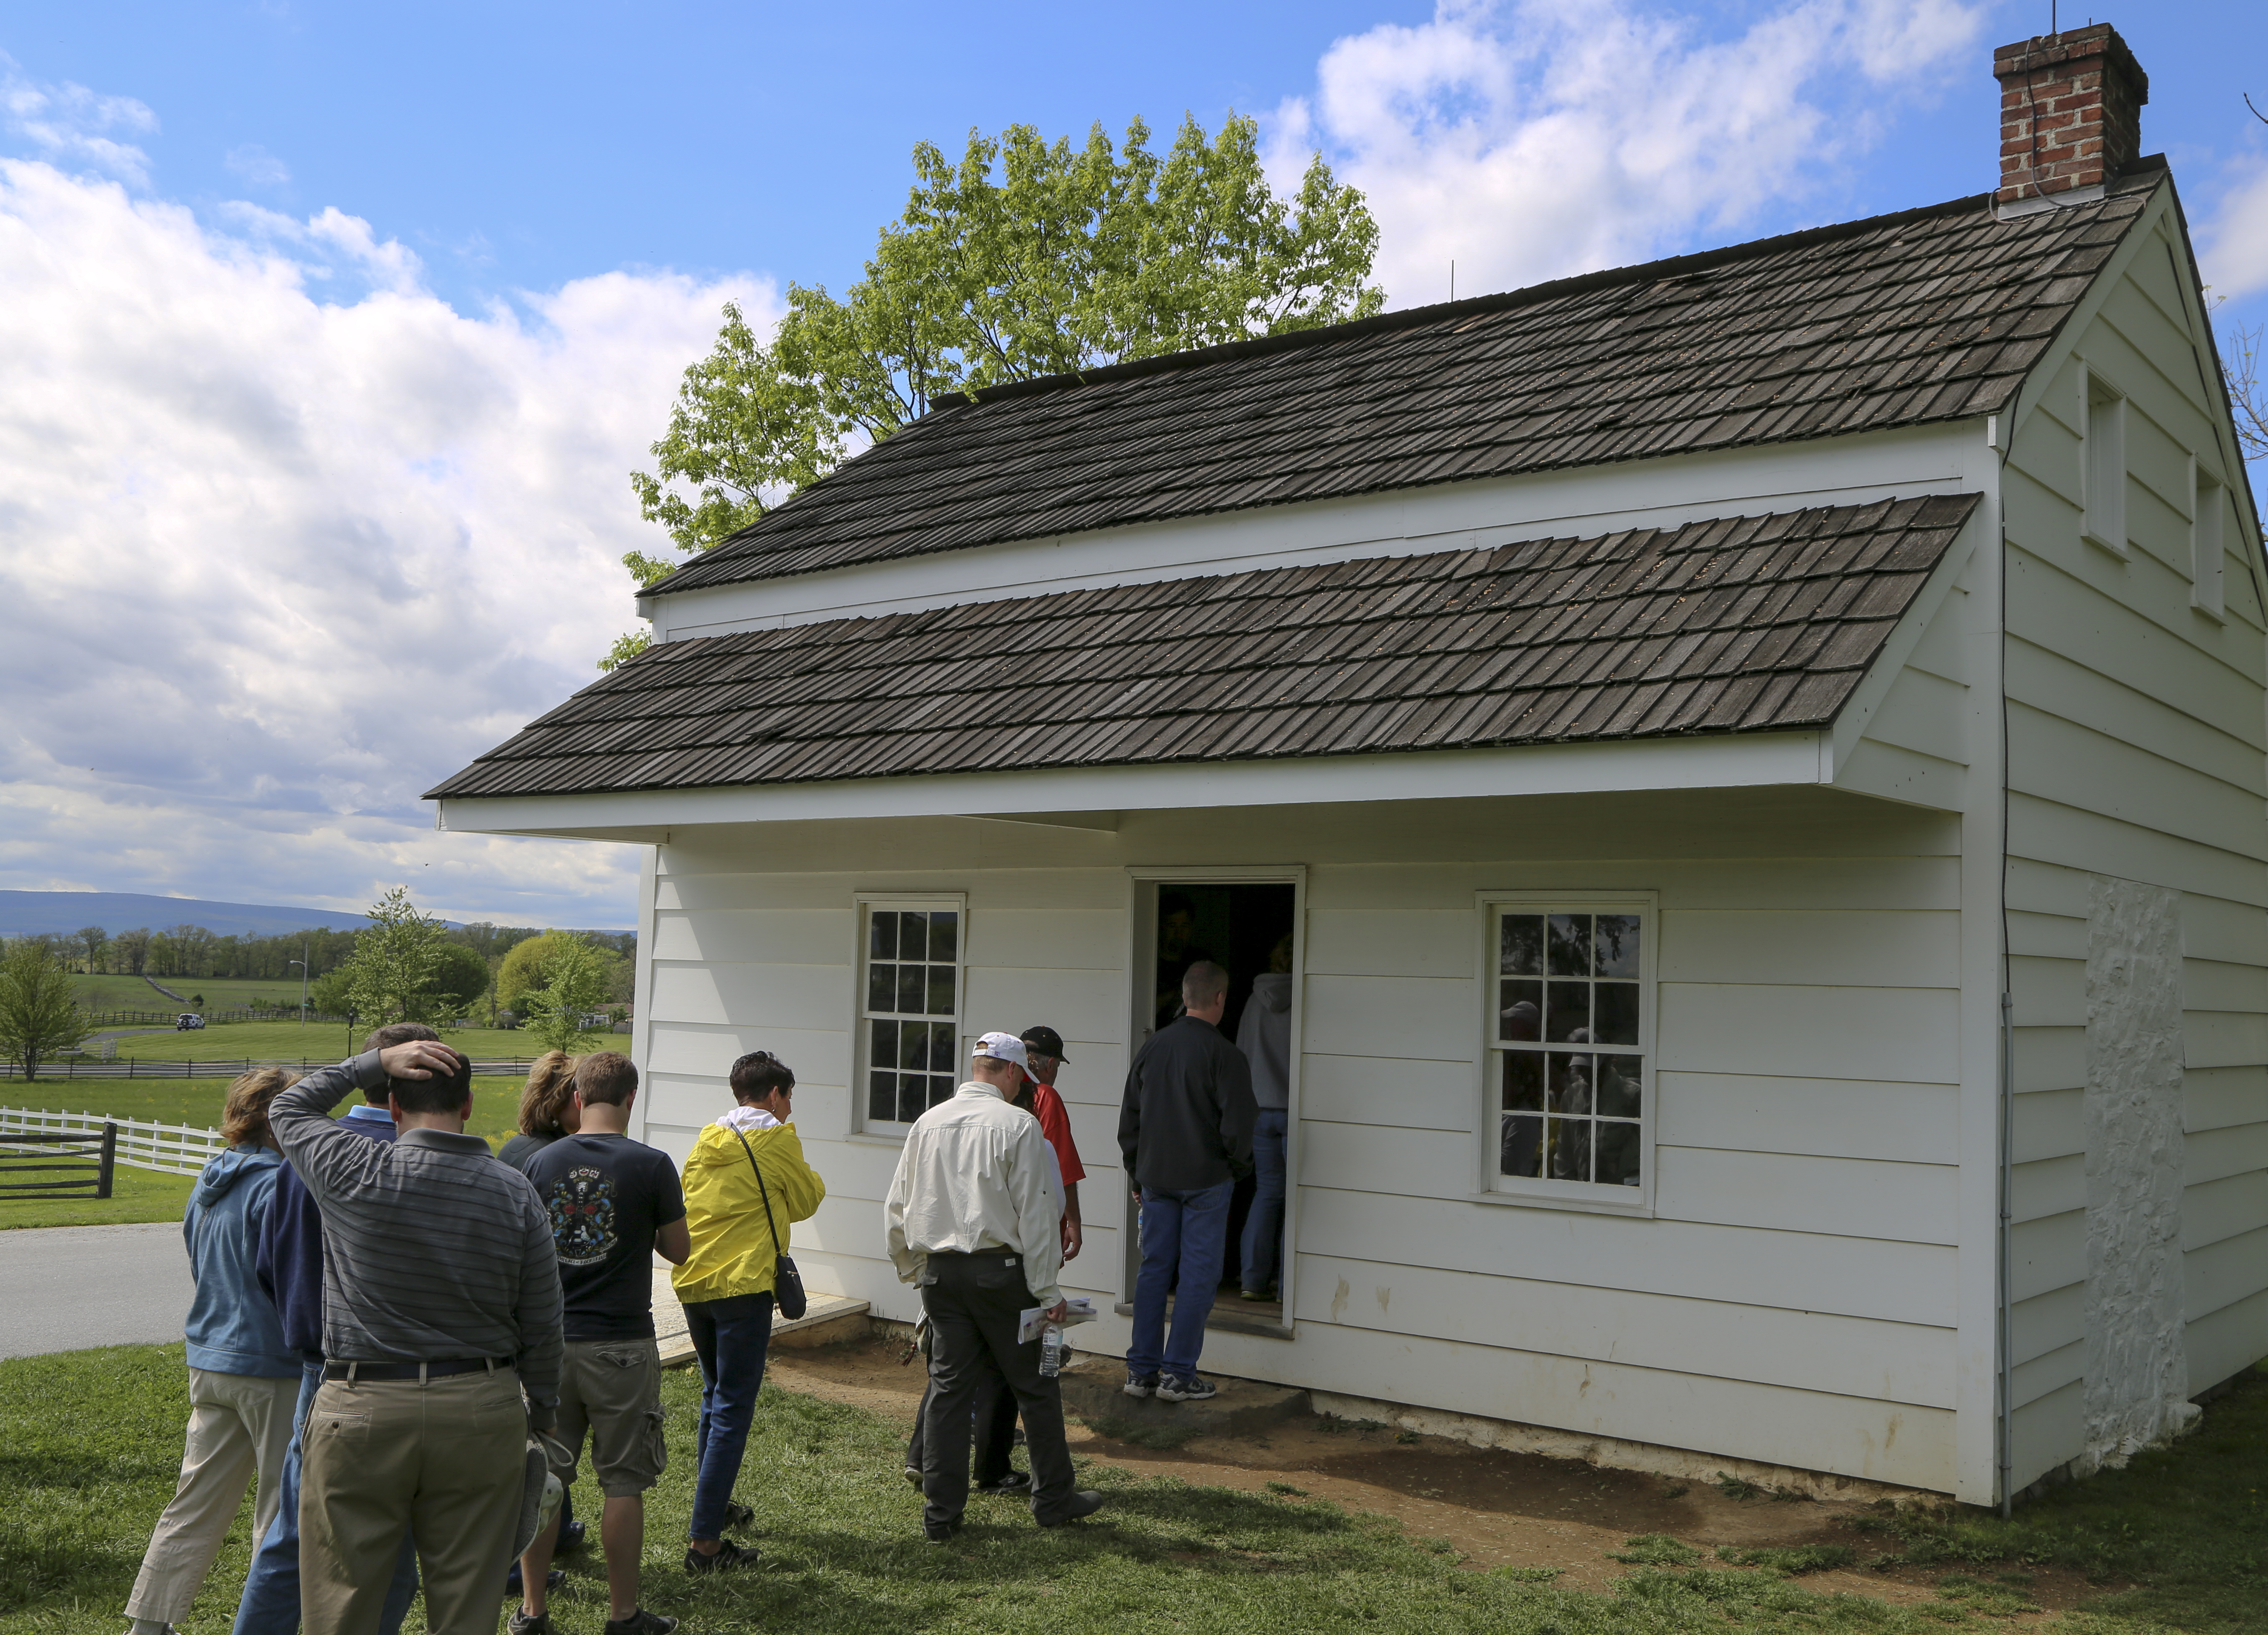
(127,1067)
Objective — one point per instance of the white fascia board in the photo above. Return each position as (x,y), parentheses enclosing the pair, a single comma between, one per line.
(1730,760)
(1667,492)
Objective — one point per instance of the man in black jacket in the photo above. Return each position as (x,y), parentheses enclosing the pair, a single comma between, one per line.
(1185,1131)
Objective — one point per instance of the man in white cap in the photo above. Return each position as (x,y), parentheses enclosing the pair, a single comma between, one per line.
(970,1221)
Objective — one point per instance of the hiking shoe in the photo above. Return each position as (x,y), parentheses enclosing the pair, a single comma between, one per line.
(521,1623)
(730,1558)
(1141,1384)
(736,1513)
(1014,1482)
(641,1623)
(1185,1388)
(1085,1502)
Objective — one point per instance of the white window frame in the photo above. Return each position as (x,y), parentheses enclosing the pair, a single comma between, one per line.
(2208,547)
(2102,463)
(1582,1196)
(866,904)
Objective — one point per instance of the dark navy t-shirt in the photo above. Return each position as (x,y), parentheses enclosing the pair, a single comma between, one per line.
(607,1195)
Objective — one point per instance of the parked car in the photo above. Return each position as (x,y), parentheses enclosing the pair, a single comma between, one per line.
(187,1020)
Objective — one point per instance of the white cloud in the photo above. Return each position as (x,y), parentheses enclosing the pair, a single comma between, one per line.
(1537,138)
(71,124)
(256,166)
(275,565)
(2233,242)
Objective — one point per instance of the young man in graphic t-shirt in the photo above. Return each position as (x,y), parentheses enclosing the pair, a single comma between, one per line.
(613,1203)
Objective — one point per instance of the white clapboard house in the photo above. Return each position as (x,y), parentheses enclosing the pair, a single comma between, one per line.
(1759,758)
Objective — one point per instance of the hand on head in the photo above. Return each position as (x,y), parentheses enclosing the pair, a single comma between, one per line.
(419,1058)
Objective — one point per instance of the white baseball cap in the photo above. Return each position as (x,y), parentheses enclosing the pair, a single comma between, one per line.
(1006,1046)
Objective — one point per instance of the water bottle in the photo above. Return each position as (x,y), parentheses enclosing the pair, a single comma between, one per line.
(1051,1351)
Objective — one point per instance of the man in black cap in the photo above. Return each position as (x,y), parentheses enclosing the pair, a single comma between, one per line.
(1043,1059)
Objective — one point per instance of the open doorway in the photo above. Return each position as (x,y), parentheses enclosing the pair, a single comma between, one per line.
(1247,927)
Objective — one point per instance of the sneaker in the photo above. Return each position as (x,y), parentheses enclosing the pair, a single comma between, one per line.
(1014,1482)
(736,1513)
(1085,1502)
(521,1623)
(730,1558)
(1185,1388)
(641,1623)
(1141,1384)
(1257,1295)
(515,1590)
(572,1538)
(914,1474)
(941,1532)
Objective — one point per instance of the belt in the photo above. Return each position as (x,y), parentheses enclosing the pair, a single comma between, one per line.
(336,1368)
(969,1254)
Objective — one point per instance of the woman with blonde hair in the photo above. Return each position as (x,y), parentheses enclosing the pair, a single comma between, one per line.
(243,1379)
(547,1109)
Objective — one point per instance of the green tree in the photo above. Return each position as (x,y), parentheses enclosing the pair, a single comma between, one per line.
(332,994)
(1024,258)
(574,986)
(391,975)
(527,967)
(459,977)
(38,1015)
(93,939)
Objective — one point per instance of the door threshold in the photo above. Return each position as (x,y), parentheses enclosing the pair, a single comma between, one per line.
(1259,1324)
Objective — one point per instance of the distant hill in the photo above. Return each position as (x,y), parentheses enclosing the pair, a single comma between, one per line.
(28,913)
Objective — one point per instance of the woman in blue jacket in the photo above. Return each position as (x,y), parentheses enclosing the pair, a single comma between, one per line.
(243,1379)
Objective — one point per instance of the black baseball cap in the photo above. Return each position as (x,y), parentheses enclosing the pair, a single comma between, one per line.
(1046,1040)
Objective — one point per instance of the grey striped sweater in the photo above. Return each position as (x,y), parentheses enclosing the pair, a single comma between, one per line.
(431,1249)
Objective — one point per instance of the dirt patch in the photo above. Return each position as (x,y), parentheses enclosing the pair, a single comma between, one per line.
(1495,1508)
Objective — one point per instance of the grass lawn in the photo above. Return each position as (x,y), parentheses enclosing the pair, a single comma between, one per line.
(314,1041)
(152,1195)
(90,1442)
(131,993)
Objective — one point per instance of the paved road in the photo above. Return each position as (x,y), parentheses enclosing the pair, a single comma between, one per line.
(63,1288)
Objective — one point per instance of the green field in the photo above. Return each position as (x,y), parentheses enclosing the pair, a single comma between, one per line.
(314,1042)
(131,993)
(150,1195)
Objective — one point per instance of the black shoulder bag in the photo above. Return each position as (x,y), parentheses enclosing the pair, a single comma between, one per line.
(787,1283)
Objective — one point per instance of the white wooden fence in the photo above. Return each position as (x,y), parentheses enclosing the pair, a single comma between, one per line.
(175,1149)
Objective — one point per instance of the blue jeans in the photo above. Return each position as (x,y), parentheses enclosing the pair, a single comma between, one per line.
(1264,1227)
(730,1336)
(271,1589)
(1185,1236)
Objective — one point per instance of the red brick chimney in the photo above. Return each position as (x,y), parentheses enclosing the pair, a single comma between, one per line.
(2070,111)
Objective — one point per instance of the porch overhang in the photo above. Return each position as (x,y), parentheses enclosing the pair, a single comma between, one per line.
(1083,797)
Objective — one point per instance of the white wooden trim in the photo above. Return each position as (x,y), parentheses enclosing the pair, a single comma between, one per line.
(1742,760)
(642,986)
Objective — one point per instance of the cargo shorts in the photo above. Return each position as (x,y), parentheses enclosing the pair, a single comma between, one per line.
(613,1389)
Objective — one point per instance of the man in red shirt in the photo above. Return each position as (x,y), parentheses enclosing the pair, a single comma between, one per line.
(1043,1052)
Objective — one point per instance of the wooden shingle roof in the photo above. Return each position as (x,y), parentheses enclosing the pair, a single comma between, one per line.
(1926,315)
(1733,625)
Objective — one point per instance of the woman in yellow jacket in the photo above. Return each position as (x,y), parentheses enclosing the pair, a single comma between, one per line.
(726,1283)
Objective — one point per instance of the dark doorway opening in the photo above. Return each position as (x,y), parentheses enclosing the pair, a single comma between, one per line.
(1245,928)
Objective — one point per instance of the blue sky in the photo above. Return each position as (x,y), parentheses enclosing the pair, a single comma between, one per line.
(333,332)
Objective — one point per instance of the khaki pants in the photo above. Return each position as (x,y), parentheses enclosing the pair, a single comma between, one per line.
(448,1459)
(239,1423)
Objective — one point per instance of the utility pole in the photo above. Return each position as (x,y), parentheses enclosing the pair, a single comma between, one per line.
(302,964)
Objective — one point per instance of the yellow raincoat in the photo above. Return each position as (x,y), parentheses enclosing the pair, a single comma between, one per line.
(732,1248)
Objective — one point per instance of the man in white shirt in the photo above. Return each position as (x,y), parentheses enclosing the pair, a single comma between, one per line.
(970,1221)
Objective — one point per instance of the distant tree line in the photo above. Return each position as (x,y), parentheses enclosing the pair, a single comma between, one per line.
(192,951)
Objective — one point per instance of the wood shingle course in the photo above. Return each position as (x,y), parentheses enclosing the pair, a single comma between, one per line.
(1727,624)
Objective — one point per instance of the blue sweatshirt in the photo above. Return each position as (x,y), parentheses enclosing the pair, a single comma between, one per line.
(232,1326)
(290,1256)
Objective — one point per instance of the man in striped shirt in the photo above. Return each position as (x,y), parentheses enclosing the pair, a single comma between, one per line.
(441,1308)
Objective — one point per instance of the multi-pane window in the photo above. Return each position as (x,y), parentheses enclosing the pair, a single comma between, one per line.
(910,1009)
(1567,1050)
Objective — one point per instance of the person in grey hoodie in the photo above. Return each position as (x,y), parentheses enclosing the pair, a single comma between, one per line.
(1265,1035)
(243,1379)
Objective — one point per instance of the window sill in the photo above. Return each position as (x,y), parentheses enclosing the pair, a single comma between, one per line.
(869,1137)
(1639,1208)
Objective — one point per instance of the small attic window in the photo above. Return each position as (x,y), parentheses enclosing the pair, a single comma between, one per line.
(2208,506)
(2102,462)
